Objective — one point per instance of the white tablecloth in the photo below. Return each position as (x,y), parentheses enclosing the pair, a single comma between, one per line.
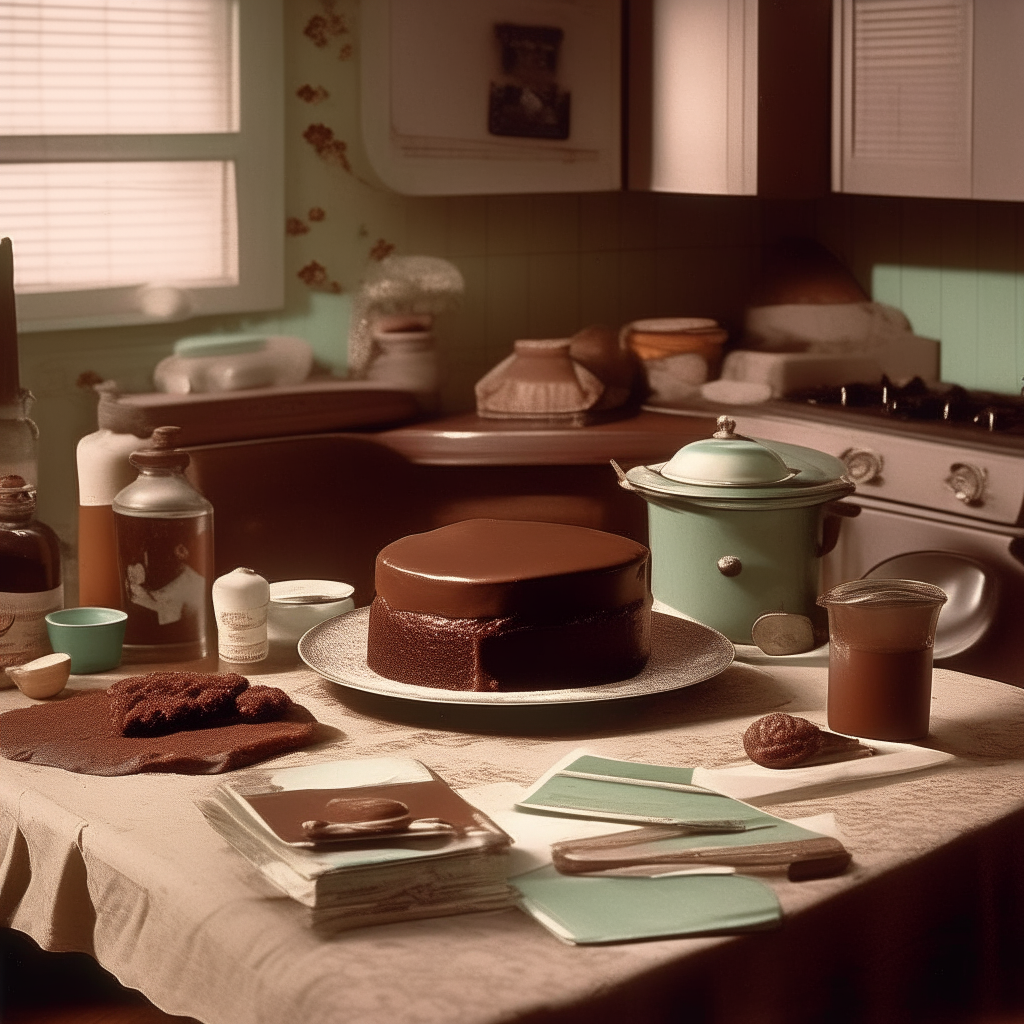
(128,870)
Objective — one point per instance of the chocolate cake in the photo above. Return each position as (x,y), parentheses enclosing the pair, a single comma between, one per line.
(492,604)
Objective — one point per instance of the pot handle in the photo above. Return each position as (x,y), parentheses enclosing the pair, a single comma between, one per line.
(832,520)
(623,479)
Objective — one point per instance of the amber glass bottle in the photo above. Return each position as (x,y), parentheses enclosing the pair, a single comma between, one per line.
(30,577)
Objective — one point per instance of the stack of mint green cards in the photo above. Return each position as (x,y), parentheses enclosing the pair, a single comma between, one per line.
(676,860)
(587,910)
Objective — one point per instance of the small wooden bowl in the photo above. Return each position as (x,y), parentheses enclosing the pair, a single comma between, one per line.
(660,338)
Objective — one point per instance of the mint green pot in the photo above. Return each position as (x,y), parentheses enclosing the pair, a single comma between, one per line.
(745,537)
(777,551)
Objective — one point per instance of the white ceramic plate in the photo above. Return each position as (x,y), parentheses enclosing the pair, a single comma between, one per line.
(682,653)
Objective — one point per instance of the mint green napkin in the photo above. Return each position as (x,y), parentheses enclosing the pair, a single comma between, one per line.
(585,910)
(626,801)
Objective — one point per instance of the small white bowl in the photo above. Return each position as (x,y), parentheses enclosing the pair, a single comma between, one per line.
(298,605)
(45,677)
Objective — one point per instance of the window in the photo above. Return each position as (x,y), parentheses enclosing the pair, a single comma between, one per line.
(141,163)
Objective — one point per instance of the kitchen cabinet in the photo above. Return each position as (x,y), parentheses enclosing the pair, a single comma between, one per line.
(928,98)
(464,97)
(729,97)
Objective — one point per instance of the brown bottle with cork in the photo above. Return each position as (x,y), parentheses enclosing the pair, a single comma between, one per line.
(164,532)
(30,576)
(18,434)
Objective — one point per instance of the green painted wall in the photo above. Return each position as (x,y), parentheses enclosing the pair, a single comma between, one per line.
(957,271)
(543,266)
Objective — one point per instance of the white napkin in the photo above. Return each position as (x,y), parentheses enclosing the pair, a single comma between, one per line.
(756,785)
(532,834)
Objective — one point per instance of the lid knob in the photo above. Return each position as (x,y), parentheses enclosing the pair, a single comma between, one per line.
(726,427)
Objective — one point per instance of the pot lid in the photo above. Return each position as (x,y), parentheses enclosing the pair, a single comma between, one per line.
(732,471)
(726,459)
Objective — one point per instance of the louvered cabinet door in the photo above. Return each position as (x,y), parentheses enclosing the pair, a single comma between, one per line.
(902,116)
(928,98)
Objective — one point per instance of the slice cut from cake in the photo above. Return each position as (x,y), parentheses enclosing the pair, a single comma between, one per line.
(495,604)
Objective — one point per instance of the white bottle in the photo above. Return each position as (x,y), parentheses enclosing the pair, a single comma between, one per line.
(103,471)
(240,600)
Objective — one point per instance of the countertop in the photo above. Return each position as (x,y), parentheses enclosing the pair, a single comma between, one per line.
(467,439)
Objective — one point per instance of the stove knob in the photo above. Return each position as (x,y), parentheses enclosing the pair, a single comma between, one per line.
(863,465)
(967,482)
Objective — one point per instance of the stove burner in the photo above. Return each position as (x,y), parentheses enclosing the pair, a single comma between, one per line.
(918,401)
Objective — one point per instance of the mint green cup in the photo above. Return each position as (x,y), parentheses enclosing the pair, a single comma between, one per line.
(92,636)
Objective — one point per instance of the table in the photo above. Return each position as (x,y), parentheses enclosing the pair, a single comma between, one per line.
(929,918)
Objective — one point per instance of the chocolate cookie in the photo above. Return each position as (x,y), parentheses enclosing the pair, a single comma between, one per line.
(164,702)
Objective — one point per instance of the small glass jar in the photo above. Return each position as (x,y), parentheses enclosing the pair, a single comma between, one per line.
(164,532)
(881,635)
(30,575)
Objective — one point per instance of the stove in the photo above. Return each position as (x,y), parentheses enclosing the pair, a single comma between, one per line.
(916,407)
(938,469)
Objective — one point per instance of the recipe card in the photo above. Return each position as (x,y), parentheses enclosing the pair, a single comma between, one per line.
(588,786)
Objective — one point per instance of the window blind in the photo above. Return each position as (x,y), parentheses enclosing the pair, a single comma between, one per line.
(78,67)
(127,159)
(89,225)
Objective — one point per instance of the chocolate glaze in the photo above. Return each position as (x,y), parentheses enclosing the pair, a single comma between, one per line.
(285,811)
(484,568)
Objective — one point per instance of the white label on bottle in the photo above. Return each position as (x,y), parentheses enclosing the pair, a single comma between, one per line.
(23,634)
(186,591)
(242,634)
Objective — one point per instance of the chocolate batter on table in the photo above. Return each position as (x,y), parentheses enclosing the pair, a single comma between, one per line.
(79,734)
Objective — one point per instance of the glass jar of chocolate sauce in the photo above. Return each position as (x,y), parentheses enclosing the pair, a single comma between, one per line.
(164,532)
(881,636)
(30,577)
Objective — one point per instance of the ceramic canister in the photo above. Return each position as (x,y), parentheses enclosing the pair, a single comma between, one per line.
(738,528)
(240,601)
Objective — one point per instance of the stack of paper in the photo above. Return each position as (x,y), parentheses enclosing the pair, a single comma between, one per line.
(351,882)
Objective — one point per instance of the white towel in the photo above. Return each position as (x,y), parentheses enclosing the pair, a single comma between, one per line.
(756,785)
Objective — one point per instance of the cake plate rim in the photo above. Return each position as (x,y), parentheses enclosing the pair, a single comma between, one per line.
(666,670)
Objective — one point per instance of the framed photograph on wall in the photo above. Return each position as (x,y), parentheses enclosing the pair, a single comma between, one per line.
(463,97)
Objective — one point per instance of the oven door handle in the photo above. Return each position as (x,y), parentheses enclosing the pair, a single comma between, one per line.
(831,521)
